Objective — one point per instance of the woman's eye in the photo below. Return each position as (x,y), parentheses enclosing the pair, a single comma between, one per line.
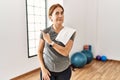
(62,13)
(57,13)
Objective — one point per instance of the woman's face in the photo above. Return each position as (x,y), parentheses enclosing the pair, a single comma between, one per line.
(57,16)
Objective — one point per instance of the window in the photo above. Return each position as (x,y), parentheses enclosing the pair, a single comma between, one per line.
(36,21)
(36,15)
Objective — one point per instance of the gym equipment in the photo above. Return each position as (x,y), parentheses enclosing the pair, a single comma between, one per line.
(103,58)
(87,47)
(78,60)
(88,54)
(90,48)
(98,57)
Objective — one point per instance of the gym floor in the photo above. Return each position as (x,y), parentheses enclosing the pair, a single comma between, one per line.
(96,70)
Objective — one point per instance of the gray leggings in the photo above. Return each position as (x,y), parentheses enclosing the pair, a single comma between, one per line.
(64,75)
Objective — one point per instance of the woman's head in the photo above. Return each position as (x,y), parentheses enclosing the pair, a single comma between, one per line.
(56,13)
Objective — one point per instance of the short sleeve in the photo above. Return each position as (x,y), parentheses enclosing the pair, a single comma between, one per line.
(41,35)
(45,31)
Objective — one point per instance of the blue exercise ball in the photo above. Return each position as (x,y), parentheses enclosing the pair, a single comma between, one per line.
(78,60)
(103,58)
(89,55)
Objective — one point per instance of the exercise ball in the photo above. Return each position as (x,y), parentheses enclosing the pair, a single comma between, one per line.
(89,55)
(90,48)
(98,57)
(86,47)
(78,60)
(103,58)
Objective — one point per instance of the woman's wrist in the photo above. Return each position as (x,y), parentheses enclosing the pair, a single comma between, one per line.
(51,43)
(42,68)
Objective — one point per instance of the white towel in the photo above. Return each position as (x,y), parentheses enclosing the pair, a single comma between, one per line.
(65,34)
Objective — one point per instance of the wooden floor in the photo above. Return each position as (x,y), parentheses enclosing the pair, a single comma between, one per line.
(96,70)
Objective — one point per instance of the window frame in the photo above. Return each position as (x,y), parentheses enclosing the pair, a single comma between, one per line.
(28,52)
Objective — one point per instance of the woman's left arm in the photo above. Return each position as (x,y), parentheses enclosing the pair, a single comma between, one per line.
(60,49)
(64,50)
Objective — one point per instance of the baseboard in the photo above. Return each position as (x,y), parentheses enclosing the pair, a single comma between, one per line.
(27,73)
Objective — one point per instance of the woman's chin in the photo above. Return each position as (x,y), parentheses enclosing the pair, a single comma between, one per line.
(60,22)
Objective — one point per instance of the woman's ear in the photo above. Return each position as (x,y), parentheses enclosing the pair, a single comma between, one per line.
(50,17)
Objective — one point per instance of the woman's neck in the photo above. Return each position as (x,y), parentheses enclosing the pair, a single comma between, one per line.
(57,28)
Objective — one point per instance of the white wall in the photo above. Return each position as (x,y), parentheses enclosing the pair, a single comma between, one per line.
(97,23)
(75,14)
(108,34)
(90,24)
(14,59)
(102,27)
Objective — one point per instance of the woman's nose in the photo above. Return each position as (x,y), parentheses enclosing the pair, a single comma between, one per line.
(60,15)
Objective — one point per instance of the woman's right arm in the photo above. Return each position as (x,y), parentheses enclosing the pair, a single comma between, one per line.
(45,72)
(40,52)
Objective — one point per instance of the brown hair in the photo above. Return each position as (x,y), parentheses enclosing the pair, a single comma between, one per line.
(53,7)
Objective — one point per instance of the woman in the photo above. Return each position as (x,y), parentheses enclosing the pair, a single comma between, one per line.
(54,55)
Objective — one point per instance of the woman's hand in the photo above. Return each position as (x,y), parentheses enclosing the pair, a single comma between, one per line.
(45,74)
(46,37)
